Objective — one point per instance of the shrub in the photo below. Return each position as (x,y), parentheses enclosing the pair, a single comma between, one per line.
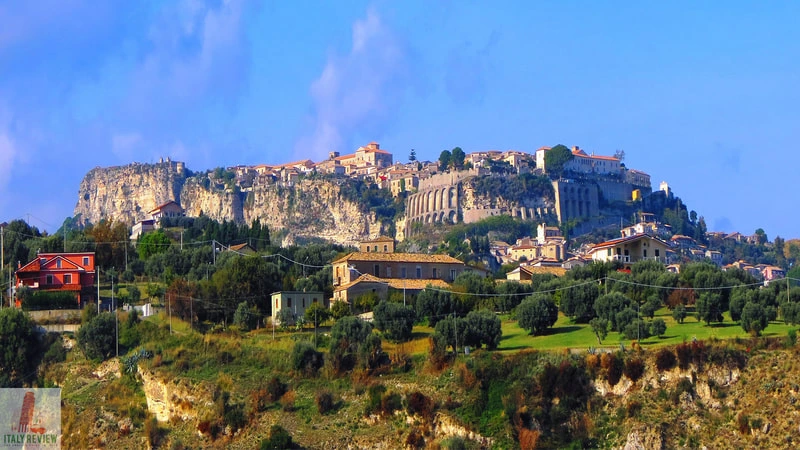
(234,416)
(415,439)
(374,394)
(391,402)
(306,359)
(275,389)
(743,423)
(97,337)
(791,338)
(420,404)
(279,439)
(665,360)
(55,352)
(287,401)
(324,401)
(633,408)
(684,353)
(613,367)
(153,432)
(634,369)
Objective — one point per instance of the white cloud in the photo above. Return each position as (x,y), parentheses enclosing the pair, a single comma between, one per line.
(357,92)
(195,47)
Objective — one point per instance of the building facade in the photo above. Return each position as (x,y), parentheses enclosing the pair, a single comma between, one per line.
(629,250)
(295,301)
(66,272)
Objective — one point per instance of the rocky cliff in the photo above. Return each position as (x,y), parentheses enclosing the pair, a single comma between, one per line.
(128,193)
(309,208)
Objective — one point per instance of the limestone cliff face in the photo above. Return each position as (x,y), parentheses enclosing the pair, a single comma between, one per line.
(309,208)
(128,193)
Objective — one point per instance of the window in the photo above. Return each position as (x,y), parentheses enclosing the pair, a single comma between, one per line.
(85,260)
(403,273)
(304,303)
(376,248)
(385,248)
(49,279)
(376,270)
(419,272)
(388,272)
(658,253)
(609,252)
(289,302)
(67,278)
(58,263)
(433,272)
(276,303)
(644,253)
(452,274)
(42,261)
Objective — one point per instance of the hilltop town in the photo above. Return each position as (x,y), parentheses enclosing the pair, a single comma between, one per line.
(398,303)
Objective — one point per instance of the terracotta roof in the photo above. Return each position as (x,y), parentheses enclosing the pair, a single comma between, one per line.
(238,247)
(165,204)
(606,158)
(399,257)
(396,283)
(379,239)
(531,270)
(557,271)
(618,241)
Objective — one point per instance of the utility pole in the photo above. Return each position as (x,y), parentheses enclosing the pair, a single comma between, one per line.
(169,309)
(98,290)
(182,239)
(116,313)
(191,312)
(214,250)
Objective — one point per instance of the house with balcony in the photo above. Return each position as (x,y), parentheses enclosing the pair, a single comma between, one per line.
(629,250)
(65,272)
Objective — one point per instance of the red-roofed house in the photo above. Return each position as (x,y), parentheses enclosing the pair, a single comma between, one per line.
(168,209)
(631,249)
(72,272)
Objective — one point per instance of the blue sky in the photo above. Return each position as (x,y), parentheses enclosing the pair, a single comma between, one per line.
(703,95)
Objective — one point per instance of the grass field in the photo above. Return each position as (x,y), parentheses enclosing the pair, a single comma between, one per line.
(566,334)
(563,335)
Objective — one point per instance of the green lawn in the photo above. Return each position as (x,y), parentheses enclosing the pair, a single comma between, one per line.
(566,334)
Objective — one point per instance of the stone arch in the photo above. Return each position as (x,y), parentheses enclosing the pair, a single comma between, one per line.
(437,203)
(429,202)
(452,216)
(452,199)
(443,199)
